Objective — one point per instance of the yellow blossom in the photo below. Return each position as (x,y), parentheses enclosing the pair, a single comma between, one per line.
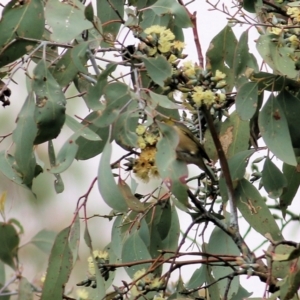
(275,30)
(140,130)
(220,97)
(97,254)
(157,29)
(151,51)
(219,75)
(151,138)
(82,294)
(144,166)
(139,273)
(167,35)
(164,46)
(178,45)
(189,69)
(294,12)
(156,283)
(202,97)
(221,84)
(294,41)
(172,58)
(141,142)
(188,65)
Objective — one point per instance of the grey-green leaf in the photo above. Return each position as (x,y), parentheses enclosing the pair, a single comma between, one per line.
(273,180)
(275,132)
(66,19)
(59,267)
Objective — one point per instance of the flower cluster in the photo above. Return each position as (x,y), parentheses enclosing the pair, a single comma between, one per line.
(201,87)
(99,256)
(160,40)
(146,282)
(289,37)
(144,166)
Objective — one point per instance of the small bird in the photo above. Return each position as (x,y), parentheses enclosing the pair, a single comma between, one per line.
(190,150)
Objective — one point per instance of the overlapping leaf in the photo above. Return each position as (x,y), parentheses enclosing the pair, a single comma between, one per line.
(275,132)
(50,104)
(26,20)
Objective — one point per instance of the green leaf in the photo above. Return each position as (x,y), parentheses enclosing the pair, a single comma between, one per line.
(173,171)
(246,100)
(58,183)
(164,229)
(89,12)
(117,96)
(242,294)
(44,240)
(158,68)
(106,182)
(65,155)
(50,104)
(292,176)
(220,243)
(95,92)
(132,202)
(151,18)
(23,137)
(8,168)
(278,57)
(244,61)
(274,130)
(163,7)
(59,267)
(66,19)
(64,70)
(255,211)
(26,20)
(83,130)
(249,5)
(291,107)
(221,54)
(237,164)
(234,136)
(273,82)
(74,238)
(9,241)
(2,273)
(273,180)
(107,14)
(162,100)
(79,56)
(280,268)
(125,126)
(134,249)
(197,279)
(25,289)
(290,285)
(88,149)
(118,235)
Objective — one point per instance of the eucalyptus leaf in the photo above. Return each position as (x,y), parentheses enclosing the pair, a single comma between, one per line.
(255,211)
(274,130)
(50,104)
(158,68)
(273,180)
(24,21)
(66,19)
(59,267)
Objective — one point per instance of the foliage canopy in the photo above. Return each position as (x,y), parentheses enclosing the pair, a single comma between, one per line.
(157,112)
